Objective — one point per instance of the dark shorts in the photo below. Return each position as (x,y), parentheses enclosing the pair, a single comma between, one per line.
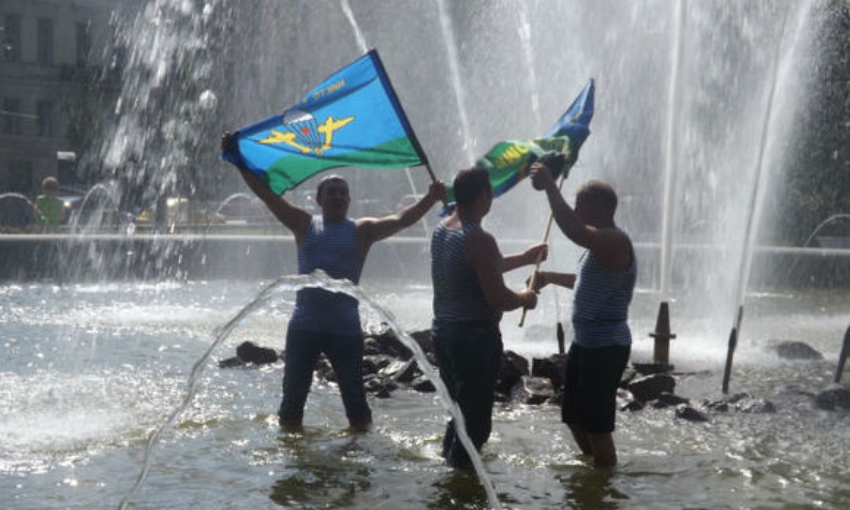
(591,378)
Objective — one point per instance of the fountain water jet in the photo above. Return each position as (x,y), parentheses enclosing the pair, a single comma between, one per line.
(276,53)
(318,279)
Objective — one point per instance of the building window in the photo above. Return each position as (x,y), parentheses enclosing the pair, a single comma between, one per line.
(45,41)
(46,122)
(12,116)
(21,177)
(83,43)
(10,35)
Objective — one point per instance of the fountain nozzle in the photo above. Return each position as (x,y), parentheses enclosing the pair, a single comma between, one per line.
(662,336)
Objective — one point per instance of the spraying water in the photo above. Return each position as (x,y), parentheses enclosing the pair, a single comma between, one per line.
(318,279)
(671,162)
(524,29)
(358,34)
(457,83)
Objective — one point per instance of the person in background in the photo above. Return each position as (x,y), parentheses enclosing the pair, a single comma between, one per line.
(324,321)
(49,209)
(469,297)
(603,288)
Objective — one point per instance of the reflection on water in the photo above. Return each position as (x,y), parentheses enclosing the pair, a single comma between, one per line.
(88,372)
(587,488)
(322,472)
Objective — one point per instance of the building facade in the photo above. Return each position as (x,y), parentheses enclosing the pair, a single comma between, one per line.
(50,59)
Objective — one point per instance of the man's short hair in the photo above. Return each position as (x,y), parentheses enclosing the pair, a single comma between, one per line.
(469,184)
(50,184)
(328,179)
(599,194)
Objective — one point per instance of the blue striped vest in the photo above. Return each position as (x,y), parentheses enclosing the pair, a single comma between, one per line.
(601,303)
(457,294)
(331,247)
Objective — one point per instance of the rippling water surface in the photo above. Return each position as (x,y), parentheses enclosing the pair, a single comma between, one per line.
(89,372)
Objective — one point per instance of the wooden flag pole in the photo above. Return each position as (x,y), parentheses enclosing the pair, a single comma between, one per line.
(546,231)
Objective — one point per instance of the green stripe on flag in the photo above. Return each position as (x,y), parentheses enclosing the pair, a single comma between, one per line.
(288,172)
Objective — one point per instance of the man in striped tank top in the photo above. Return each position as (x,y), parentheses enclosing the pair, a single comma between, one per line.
(603,287)
(324,321)
(469,298)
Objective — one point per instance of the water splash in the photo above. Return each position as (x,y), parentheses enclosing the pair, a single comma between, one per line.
(23,216)
(317,279)
(457,84)
(524,29)
(364,47)
(674,126)
(818,228)
(358,34)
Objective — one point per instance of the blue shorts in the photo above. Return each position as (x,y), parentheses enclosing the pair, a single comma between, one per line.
(591,378)
(345,353)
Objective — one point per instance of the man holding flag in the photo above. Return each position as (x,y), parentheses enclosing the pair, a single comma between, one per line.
(324,321)
(603,289)
(352,119)
(470,296)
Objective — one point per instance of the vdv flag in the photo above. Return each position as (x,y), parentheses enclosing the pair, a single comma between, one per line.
(508,161)
(353,118)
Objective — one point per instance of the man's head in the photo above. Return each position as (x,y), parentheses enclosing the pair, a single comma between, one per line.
(332,196)
(470,184)
(596,203)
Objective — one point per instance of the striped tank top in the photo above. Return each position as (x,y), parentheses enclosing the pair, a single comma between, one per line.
(601,303)
(457,294)
(331,247)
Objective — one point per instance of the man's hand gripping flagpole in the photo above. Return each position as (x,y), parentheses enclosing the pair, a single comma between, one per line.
(546,230)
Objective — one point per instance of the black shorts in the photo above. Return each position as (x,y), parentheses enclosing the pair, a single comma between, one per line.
(591,378)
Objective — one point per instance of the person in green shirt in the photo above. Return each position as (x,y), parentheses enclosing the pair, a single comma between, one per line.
(49,209)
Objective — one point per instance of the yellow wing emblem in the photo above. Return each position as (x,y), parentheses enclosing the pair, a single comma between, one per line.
(304,133)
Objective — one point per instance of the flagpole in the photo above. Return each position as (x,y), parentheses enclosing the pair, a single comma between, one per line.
(546,231)
(403,115)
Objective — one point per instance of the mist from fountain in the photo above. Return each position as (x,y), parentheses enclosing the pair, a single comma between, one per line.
(682,131)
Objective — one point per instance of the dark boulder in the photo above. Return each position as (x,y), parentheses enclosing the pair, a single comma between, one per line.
(650,387)
(788,349)
(533,391)
(833,398)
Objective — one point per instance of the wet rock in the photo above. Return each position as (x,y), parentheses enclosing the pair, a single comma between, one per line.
(533,391)
(688,413)
(380,387)
(720,406)
(512,370)
(833,398)
(666,399)
(253,353)
(372,364)
(423,384)
(756,406)
(250,353)
(551,368)
(633,405)
(651,387)
(233,362)
(788,349)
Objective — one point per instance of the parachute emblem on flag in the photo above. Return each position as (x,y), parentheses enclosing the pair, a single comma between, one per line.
(303,132)
(319,132)
(305,127)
